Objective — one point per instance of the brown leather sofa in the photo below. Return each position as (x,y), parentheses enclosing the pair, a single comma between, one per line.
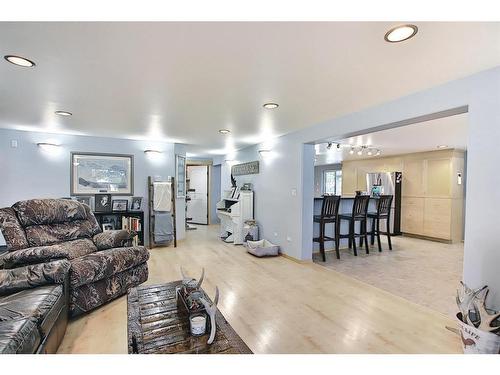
(101,266)
(33,307)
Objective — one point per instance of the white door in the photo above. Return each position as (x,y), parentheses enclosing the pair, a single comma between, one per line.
(197,206)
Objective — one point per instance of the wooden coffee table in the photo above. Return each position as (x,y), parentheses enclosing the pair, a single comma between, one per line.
(155,326)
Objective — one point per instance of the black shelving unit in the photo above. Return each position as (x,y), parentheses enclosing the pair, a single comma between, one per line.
(118,220)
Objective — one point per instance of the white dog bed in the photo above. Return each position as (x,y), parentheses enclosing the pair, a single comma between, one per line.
(262,248)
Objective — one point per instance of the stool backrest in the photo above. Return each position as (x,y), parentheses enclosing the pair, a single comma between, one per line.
(330,206)
(360,206)
(384,204)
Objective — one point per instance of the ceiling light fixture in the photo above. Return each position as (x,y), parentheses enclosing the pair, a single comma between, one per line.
(442,146)
(63,113)
(378,152)
(152,152)
(339,147)
(224,131)
(48,146)
(360,151)
(351,151)
(19,61)
(370,152)
(271,105)
(400,33)
(329,146)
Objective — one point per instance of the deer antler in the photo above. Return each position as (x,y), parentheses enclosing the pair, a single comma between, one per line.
(211,310)
(465,297)
(201,277)
(484,315)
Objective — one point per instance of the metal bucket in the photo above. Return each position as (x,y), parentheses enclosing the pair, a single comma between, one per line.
(475,341)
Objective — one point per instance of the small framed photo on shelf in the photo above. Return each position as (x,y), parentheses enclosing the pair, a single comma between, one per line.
(120,205)
(136,204)
(102,203)
(84,199)
(107,226)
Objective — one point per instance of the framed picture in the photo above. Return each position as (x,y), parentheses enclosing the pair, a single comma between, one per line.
(101,173)
(102,203)
(136,204)
(84,199)
(107,226)
(180,176)
(120,205)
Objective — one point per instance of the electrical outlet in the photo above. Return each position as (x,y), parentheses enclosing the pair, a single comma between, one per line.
(294,192)
(289,239)
(13,143)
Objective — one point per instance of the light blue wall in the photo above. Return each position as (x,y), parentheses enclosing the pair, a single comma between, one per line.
(29,172)
(292,166)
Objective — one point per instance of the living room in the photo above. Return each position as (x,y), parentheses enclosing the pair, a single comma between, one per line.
(105,138)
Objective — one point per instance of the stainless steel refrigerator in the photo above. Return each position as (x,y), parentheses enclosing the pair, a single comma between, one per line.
(387,183)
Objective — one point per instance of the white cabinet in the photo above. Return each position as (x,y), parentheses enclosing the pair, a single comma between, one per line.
(233,212)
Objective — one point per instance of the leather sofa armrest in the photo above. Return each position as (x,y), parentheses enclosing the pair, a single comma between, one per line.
(32,276)
(113,238)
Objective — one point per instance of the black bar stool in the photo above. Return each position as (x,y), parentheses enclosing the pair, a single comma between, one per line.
(359,213)
(329,214)
(384,203)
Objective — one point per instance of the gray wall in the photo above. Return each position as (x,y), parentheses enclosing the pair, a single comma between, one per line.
(285,186)
(318,176)
(29,172)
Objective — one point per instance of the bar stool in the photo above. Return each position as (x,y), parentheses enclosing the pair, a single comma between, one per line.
(329,214)
(359,213)
(384,203)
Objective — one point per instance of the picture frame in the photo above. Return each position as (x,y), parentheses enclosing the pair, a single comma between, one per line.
(180,176)
(136,204)
(103,203)
(120,205)
(85,199)
(107,227)
(96,173)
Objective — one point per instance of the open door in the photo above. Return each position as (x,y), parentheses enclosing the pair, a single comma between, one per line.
(197,205)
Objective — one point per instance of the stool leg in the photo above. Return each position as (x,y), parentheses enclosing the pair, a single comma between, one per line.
(389,234)
(364,223)
(360,234)
(337,234)
(349,237)
(353,239)
(322,240)
(372,233)
(378,235)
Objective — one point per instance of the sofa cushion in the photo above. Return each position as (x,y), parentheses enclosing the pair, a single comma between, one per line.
(43,304)
(49,234)
(12,230)
(102,264)
(19,336)
(49,211)
(39,254)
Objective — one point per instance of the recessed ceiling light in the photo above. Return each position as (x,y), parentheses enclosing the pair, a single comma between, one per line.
(19,61)
(224,131)
(442,146)
(400,33)
(63,113)
(271,105)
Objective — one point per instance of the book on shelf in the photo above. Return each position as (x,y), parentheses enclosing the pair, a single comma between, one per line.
(133,224)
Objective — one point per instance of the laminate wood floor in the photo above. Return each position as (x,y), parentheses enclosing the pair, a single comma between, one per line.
(278,306)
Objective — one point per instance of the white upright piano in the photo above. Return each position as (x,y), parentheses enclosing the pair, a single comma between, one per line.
(233,212)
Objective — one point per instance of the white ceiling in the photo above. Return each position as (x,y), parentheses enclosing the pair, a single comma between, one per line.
(423,136)
(181,82)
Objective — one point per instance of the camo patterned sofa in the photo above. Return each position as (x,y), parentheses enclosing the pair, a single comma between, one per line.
(44,230)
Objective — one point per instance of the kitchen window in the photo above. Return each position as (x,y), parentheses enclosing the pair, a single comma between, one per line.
(332,182)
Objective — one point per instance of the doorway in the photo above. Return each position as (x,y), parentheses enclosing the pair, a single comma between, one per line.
(197,202)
